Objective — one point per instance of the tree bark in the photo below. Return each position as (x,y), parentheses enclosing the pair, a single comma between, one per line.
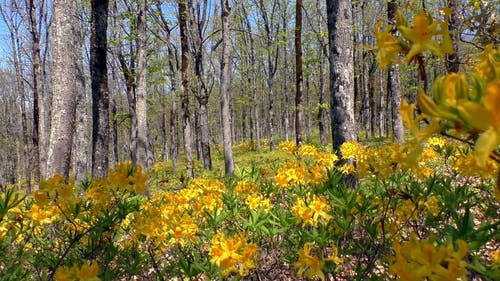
(452,61)
(39,126)
(225,91)
(143,150)
(340,35)
(65,71)
(298,73)
(186,118)
(81,134)
(394,83)
(99,84)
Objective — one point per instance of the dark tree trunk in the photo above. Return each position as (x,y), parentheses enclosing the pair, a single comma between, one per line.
(99,84)
(299,82)
(452,61)
(186,116)
(38,106)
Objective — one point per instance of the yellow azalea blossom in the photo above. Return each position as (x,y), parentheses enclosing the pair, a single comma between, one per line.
(307,150)
(288,146)
(421,36)
(350,149)
(436,142)
(87,272)
(308,264)
(387,47)
(256,202)
(233,254)
(313,212)
(347,169)
(422,260)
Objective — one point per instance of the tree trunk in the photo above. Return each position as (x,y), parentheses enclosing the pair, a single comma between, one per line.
(81,134)
(340,35)
(99,84)
(66,56)
(39,152)
(143,149)
(452,61)
(225,89)
(298,73)
(186,118)
(204,134)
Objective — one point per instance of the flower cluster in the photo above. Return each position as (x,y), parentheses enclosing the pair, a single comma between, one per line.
(421,37)
(312,265)
(309,167)
(312,211)
(423,260)
(233,254)
(87,272)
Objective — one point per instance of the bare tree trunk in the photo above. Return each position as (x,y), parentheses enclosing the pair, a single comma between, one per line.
(340,35)
(66,56)
(81,134)
(100,93)
(382,101)
(114,135)
(225,89)
(452,61)
(321,110)
(39,152)
(298,73)
(144,154)
(204,134)
(186,122)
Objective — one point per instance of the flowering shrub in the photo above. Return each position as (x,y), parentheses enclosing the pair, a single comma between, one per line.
(399,219)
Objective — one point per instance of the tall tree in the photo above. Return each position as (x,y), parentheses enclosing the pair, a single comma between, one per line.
(225,91)
(186,118)
(81,135)
(99,84)
(340,38)
(143,153)
(65,74)
(393,81)
(197,25)
(39,124)
(298,72)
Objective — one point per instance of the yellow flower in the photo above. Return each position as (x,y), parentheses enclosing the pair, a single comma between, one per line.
(422,260)
(87,272)
(232,254)
(307,150)
(421,35)
(309,265)
(350,149)
(387,47)
(256,202)
(313,213)
(288,146)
